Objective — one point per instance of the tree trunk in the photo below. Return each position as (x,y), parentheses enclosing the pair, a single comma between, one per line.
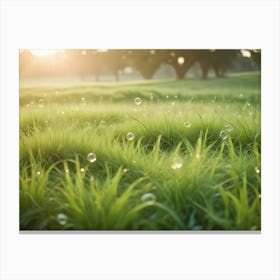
(204,72)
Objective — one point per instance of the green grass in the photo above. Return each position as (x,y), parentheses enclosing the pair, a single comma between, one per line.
(170,176)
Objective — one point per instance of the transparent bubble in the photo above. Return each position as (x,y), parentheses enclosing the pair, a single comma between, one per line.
(61,219)
(148,197)
(187,124)
(228,127)
(138,101)
(130,136)
(177,162)
(223,135)
(91,157)
(102,123)
(257,170)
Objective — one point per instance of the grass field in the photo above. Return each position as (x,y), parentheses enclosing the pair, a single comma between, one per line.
(145,155)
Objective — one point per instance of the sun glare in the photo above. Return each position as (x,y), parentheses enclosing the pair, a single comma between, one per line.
(42,52)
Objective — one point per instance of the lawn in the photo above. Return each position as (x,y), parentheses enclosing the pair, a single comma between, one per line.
(143,155)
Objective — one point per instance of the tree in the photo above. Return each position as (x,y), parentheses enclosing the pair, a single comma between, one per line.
(114,61)
(218,60)
(180,60)
(145,61)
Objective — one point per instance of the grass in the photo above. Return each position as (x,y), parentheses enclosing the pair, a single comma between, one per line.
(177,173)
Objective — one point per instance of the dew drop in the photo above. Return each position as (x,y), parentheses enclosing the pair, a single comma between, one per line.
(228,128)
(148,197)
(130,136)
(138,101)
(91,157)
(223,135)
(61,219)
(177,162)
(187,124)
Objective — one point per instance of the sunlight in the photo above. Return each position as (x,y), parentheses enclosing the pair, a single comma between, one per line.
(43,52)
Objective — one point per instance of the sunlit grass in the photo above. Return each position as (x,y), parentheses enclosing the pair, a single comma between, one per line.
(215,183)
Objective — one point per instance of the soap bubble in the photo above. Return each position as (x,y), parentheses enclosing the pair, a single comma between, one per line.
(130,136)
(228,127)
(138,101)
(91,157)
(257,170)
(62,219)
(177,162)
(223,135)
(148,197)
(187,124)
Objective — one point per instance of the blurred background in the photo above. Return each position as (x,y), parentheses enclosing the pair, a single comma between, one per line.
(135,64)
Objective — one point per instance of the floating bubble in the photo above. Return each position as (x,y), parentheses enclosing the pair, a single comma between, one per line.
(223,135)
(61,219)
(38,173)
(148,197)
(82,170)
(257,170)
(91,157)
(102,123)
(130,136)
(138,101)
(177,162)
(187,124)
(124,170)
(228,127)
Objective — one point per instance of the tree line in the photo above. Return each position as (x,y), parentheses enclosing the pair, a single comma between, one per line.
(88,62)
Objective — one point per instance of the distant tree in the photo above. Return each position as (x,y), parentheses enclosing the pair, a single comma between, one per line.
(146,62)
(114,61)
(256,57)
(218,60)
(180,60)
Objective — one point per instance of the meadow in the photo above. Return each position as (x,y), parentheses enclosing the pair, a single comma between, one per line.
(142,155)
